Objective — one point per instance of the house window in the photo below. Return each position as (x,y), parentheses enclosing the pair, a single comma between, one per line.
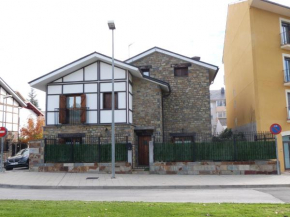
(72,109)
(288,105)
(107,101)
(221,114)
(220,103)
(286,69)
(181,72)
(146,71)
(285,35)
(182,139)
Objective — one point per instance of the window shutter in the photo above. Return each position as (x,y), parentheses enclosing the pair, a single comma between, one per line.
(62,109)
(83,109)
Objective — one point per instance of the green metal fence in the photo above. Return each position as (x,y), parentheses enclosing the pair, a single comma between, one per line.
(200,148)
(99,150)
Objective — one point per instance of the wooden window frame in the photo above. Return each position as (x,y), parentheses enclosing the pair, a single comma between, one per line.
(179,74)
(74,95)
(116,101)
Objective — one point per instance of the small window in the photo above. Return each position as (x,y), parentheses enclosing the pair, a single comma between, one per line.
(285,35)
(146,72)
(287,69)
(181,72)
(221,114)
(220,103)
(107,101)
(182,139)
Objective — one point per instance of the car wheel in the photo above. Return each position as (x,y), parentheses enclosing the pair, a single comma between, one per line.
(9,168)
(27,164)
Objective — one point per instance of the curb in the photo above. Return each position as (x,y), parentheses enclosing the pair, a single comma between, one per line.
(142,187)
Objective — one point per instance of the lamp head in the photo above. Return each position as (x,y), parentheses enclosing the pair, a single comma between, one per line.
(111,24)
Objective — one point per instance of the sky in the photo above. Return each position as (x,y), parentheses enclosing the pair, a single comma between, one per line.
(39,36)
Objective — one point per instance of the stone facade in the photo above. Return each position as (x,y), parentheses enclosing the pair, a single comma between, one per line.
(91,130)
(187,108)
(147,105)
(36,163)
(215,168)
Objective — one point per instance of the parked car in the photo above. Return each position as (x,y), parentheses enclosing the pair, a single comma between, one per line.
(21,159)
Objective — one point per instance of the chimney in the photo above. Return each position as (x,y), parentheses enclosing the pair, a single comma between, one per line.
(222,90)
(196,58)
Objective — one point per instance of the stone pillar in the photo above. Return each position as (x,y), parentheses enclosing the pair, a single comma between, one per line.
(130,157)
(151,154)
(36,154)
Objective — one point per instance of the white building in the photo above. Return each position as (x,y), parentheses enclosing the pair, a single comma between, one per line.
(218,110)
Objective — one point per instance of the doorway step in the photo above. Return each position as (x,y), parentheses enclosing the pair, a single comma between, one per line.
(140,171)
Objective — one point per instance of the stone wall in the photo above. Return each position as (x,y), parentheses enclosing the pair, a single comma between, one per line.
(36,163)
(187,108)
(215,168)
(147,105)
(91,130)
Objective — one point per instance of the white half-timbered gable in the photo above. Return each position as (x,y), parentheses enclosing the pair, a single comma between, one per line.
(81,92)
(91,84)
(11,107)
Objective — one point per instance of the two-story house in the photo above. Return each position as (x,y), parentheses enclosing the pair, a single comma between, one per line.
(218,111)
(10,109)
(256,59)
(157,92)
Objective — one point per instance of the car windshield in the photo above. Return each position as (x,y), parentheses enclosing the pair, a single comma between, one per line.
(20,152)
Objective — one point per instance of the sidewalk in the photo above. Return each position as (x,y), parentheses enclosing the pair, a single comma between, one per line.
(40,180)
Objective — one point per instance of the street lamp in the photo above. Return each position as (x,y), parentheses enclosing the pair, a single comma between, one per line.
(112,27)
(2,139)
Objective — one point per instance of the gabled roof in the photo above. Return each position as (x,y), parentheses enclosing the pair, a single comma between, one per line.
(41,82)
(11,92)
(212,68)
(217,94)
(30,105)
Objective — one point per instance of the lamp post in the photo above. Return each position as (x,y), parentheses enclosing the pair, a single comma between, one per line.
(112,27)
(2,139)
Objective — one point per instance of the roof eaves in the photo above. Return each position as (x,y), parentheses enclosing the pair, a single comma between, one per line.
(80,60)
(11,91)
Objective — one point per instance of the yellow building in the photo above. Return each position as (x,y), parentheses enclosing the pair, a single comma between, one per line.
(257,69)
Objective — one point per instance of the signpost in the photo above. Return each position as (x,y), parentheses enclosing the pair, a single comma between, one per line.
(3,133)
(276,129)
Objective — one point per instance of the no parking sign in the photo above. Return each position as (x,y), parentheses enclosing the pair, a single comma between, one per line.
(275,129)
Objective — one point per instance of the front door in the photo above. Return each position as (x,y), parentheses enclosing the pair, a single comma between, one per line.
(287,154)
(143,150)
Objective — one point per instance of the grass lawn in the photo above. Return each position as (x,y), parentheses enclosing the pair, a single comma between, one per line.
(18,208)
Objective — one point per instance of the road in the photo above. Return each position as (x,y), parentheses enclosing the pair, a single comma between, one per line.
(274,195)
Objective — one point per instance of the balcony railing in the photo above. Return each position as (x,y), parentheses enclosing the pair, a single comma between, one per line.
(72,116)
(287,76)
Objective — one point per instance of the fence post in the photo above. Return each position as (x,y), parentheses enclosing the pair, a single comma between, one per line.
(129,151)
(193,149)
(99,151)
(235,148)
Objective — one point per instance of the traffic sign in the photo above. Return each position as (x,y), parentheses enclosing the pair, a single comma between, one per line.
(3,132)
(275,129)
